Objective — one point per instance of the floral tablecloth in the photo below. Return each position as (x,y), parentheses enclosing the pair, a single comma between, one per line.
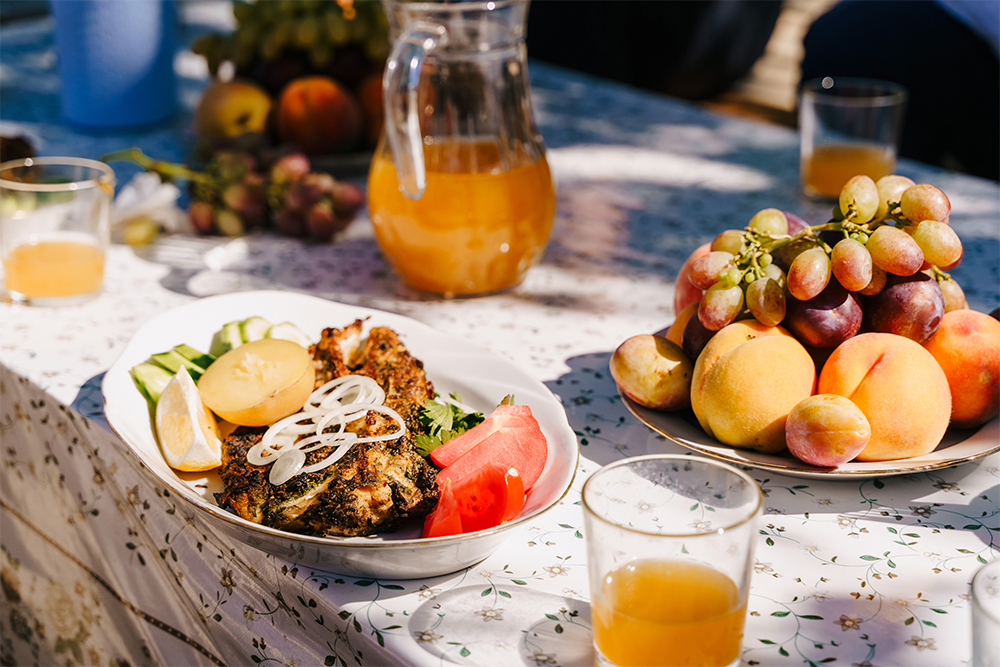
(100,564)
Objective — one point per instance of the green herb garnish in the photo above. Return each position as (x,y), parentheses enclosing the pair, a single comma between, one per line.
(444,421)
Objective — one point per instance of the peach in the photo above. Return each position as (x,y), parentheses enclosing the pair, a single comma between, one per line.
(684,290)
(898,386)
(827,430)
(653,372)
(967,346)
(746,381)
(319,116)
(675,333)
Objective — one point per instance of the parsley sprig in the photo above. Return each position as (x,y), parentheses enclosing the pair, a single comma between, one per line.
(444,421)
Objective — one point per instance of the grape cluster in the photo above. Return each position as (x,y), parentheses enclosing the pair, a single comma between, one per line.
(237,191)
(880,262)
(276,41)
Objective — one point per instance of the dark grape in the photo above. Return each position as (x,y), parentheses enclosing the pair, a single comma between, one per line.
(826,320)
(695,338)
(289,168)
(795,223)
(910,306)
(290,223)
(322,222)
(347,199)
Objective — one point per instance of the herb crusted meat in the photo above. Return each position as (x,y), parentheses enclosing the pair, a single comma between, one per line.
(376,486)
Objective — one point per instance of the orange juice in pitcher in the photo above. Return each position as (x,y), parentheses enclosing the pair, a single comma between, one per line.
(476,229)
(459,190)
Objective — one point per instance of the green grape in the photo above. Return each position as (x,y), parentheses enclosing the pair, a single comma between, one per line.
(851,265)
(765,260)
(954,295)
(377,48)
(769,221)
(939,243)
(774,272)
(708,269)
(924,202)
(270,47)
(809,273)
(835,213)
(242,12)
(890,189)
(766,301)
(229,222)
(878,281)
(895,251)
(731,241)
(719,306)
(860,195)
(321,55)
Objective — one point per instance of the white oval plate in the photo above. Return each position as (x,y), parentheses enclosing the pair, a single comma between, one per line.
(480,377)
(958,446)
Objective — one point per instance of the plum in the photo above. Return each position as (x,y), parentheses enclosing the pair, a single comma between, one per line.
(653,372)
(826,320)
(910,306)
(826,430)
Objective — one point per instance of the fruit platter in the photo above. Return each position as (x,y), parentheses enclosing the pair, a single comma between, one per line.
(843,349)
(254,421)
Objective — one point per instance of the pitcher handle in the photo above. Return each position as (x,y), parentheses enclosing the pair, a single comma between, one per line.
(402,126)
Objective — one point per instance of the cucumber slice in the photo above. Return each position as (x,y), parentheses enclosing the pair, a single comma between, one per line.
(150,380)
(288,331)
(225,339)
(254,328)
(172,361)
(197,358)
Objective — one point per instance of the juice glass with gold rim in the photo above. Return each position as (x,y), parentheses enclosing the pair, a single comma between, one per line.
(848,126)
(670,543)
(55,220)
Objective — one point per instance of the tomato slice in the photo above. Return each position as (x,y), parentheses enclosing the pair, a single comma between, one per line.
(488,497)
(444,520)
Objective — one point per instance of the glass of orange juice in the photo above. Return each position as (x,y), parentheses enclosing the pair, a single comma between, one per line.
(848,126)
(670,543)
(55,219)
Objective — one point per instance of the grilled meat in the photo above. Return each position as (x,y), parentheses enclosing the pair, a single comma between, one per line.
(376,485)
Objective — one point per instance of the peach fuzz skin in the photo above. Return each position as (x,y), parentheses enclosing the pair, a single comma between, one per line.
(746,381)
(898,386)
(967,347)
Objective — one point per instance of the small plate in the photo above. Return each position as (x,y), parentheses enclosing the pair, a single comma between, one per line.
(480,377)
(958,446)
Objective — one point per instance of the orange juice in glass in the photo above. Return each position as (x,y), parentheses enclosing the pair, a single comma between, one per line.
(55,216)
(847,127)
(670,552)
(459,191)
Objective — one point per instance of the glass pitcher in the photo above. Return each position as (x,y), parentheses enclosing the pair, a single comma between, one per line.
(459,191)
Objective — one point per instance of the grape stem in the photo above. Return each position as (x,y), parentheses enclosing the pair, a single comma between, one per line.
(167,170)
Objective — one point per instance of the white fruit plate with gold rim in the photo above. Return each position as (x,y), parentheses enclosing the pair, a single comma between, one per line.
(480,377)
(958,446)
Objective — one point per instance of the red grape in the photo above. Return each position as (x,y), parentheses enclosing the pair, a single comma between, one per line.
(895,251)
(720,305)
(851,264)
(924,202)
(939,243)
(890,189)
(706,270)
(860,195)
(766,301)
(809,273)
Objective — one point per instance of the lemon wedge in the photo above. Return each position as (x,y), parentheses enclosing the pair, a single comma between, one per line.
(189,433)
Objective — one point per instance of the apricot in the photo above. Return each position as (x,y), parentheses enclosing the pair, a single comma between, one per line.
(967,347)
(826,430)
(319,116)
(746,381)
(684,290)
(898,386)
(653,372)
(675,333)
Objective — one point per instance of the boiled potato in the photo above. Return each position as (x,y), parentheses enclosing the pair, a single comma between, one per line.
(258,383)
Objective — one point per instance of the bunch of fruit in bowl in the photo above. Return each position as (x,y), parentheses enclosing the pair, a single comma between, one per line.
(306,74)
(842,341)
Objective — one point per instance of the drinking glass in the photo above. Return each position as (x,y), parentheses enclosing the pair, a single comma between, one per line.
(986,616)
(459,191)
(670,544)
(55,220)
(847,127)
